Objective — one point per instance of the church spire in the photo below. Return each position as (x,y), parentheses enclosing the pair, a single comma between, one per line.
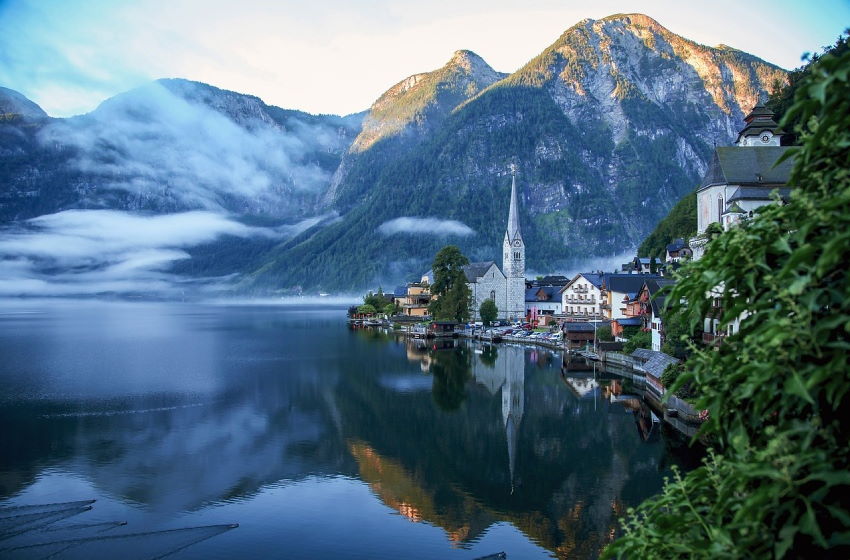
(513,214)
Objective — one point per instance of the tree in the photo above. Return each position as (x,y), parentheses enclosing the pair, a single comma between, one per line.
(390,309)
(452,294)
(488,311)
(777,485)
(604,334)
(367,309)
(641,339)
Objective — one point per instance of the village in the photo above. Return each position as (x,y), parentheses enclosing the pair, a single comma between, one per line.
(617,317)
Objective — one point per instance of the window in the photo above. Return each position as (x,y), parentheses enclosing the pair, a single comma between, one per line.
(719,207)
(516,255)
(493,295)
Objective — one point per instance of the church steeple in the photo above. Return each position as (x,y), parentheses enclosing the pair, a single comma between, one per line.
(513,214)
(513,260)
(761,129)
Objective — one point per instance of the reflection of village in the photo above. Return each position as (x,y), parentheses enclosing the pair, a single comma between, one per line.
(458,435)
(573,520)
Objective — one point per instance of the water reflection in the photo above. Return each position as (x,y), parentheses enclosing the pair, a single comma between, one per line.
(463,437)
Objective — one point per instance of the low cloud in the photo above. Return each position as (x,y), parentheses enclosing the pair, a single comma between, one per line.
(428,226)
(79,252)
(187,146)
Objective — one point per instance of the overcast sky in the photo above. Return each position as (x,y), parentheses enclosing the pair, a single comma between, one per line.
(337,56)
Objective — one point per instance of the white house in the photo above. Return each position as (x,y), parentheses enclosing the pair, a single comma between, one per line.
(582,297)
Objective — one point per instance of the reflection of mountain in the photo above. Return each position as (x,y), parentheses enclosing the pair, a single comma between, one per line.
(178,457)
(494,438)
(575,468)
(398,489)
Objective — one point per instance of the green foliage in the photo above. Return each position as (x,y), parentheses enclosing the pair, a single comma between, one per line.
(680,222)
(641,339)
(367,309)
(488,311)
(378,300)
(679,336)
(778,389)
(452,294)
(390,309)
(783,97)
(604,334)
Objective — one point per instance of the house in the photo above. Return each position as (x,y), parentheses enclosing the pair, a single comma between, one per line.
(622,289)
(583,297)
(580,334)
(677,251)
(543,300)
(618,327)
(413,299)
(655,299)
(640,265)
(743,177)
(506,287)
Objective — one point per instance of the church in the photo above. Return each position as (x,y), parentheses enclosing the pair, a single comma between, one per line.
(743,177)
(506,286)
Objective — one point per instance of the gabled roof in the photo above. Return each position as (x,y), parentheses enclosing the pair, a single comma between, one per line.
(582,327)
(476,270)
(654,362)
(549,292)
(627,283)
(657,301)
(748,165)
(677,245)
(759,193)
(594,278)
(400,291)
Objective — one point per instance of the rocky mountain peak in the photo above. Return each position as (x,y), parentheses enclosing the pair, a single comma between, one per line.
(14,104)
(434,94)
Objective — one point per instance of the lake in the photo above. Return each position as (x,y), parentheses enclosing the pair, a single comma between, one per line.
(318,440)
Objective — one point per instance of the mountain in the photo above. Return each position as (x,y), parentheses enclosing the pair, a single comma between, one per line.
(14,105)
(171,145)
(608,127)
(405,115)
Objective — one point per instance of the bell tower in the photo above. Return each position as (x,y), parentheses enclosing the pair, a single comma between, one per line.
(513,257)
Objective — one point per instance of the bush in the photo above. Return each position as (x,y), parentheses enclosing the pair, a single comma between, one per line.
(778,485)
(641,339)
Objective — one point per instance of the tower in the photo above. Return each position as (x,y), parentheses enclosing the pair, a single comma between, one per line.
(513,260)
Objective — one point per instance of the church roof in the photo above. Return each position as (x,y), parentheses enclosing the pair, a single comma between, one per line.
(759,111)
(476,270)
(758,193)
(759,120)
(748,165)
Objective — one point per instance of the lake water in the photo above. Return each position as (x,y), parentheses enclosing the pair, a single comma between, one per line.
(320,441)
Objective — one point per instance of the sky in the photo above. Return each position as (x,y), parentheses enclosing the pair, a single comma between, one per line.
(338,56)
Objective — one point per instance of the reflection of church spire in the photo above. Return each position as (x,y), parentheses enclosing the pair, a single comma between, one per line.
(513,404)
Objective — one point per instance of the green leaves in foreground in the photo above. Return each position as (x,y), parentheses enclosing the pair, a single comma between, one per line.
(778,389)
